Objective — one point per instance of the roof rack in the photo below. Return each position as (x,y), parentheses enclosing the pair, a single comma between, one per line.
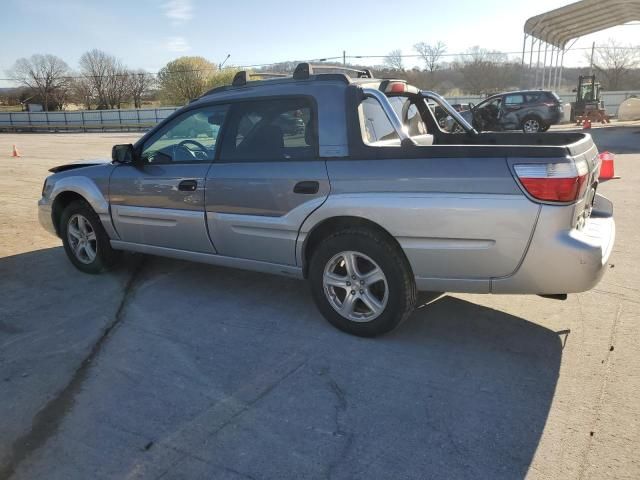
(242,77)
(305,70)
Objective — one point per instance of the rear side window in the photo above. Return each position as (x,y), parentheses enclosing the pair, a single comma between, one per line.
(517,99)
(534,97)
(270,130)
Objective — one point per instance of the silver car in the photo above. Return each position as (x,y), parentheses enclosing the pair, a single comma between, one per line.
(367,197)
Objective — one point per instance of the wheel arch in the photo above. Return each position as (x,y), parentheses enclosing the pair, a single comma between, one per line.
(330,225)
(62,200)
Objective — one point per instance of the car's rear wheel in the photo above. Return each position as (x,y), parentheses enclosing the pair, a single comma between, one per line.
(532,125)
(84,239)
(361,282)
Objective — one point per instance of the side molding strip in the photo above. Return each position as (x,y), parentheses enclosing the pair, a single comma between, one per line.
(222,261)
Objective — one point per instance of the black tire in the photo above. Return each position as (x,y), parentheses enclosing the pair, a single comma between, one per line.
(401,290)
(105,256)
(530,120)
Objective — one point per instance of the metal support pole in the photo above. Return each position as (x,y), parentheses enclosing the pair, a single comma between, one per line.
(538,62)
(550,70)
(524,47)
(555,71)
(544,64)
(533,40)
(560,72)
(344,57)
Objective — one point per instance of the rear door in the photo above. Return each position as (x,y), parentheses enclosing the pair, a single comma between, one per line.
(513,110)
(160,201)
(267,180)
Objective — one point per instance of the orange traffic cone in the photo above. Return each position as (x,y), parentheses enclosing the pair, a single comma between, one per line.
(15,152)
(606,166)
(586,124)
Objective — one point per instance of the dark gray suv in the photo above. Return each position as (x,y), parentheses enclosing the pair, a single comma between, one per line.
(531,111)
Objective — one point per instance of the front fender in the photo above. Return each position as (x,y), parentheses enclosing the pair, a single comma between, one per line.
(85,187)
(88,189)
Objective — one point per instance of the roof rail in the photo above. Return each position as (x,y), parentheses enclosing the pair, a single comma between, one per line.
(305,70)
(242,77)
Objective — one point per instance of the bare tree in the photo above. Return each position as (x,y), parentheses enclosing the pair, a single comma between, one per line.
(95,66)
(615,61)
(83,93)
(47,75)
(140,82)
(394,60)
(431,54)
(117,87)
(484,71)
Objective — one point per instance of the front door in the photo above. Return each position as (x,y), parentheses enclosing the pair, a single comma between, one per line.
(267,179)
(159,201)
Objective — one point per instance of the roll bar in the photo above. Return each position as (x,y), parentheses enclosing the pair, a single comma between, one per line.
(390,113)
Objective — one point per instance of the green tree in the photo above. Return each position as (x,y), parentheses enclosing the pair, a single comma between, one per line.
(186,78)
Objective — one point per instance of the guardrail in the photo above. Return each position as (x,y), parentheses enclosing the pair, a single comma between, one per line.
(84,120)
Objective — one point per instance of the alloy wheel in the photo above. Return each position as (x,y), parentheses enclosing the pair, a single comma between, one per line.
(532,126)
(82,238)
(355,286)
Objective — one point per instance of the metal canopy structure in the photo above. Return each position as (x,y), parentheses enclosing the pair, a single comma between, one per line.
(556,31)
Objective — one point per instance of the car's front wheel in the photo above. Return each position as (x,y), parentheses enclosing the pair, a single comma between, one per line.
(85,240)
(361,282)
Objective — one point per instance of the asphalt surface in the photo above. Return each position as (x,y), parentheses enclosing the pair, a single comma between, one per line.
(167,369)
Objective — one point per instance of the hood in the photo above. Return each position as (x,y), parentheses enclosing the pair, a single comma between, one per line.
(79,164)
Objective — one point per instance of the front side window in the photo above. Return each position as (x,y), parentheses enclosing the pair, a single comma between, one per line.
(191,137)
(279,129)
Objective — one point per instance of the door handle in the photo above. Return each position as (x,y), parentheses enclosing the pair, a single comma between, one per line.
(188,185)
(308,187)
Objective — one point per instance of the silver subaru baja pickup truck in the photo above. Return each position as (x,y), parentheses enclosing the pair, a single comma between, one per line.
(350,184)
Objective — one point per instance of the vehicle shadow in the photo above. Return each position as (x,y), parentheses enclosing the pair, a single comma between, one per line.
(240,370)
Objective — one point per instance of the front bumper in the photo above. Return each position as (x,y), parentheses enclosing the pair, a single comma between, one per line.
(570,261)
(44,216)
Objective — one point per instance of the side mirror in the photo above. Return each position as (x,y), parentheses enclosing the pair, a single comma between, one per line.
(123,153)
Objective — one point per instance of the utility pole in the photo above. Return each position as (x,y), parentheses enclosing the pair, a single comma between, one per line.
(593,47)
(344,57)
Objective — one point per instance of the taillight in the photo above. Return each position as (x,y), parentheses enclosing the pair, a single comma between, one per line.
(554,182)
(396,87)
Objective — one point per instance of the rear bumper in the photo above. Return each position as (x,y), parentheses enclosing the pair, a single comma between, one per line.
(563,261)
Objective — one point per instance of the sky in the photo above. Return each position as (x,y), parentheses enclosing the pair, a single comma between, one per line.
(149,33)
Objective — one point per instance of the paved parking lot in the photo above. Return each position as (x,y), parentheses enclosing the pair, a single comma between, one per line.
(166,369)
